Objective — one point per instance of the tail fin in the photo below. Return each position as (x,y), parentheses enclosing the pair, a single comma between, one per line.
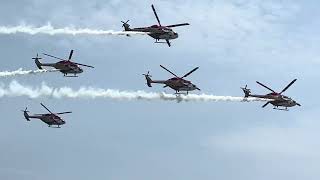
(246,91)
(38,63)
(36,59)
(126,26)
(26,115)
(148,78)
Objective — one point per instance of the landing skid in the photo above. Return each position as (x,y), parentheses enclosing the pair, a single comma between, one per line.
(70,76)
(54,126)
(179,93)
(167,41)
(285,109)
(66,75)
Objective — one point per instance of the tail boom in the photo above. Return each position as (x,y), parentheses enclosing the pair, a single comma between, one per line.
(40,65)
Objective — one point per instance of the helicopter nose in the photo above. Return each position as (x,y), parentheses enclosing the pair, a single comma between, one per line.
(194,86)
(296,103)
(80,70)
(176,35)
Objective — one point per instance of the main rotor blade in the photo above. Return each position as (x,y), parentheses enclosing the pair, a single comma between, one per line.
(176,25)
(46,108)
(265,104)
(155,13)
(84,65)
(168,42)
(265,86)
(53,56)
(64,112)
(288,86)
(169,71)
(70,55)
(190,72)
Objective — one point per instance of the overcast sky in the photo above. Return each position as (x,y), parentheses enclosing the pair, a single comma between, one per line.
(235,42)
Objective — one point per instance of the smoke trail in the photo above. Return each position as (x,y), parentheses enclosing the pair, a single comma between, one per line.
(21,72)
(50,30)
(17,90)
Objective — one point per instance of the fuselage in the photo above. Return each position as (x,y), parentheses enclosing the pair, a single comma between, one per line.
(68,67)
(50,119)
(178,84)
(158,32)
(65,67)
(277,99)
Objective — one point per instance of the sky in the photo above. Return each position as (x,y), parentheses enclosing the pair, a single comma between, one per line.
(234,42)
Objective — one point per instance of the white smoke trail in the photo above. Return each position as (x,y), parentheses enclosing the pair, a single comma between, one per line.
(50,30)
(17,90)
(21,72)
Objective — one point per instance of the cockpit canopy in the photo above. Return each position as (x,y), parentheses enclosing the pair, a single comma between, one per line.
(286,97)
(174,79)
(161,27)
(154,26)
(179,79)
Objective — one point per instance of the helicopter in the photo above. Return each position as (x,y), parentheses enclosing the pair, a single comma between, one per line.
(52,119)
(65,66)
(176,83)
(157,31)
(276,99)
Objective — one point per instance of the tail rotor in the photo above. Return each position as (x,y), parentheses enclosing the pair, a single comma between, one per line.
(126,26)
(38,63)
(148,78)
(25,113)
(246,91)
(37,57)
